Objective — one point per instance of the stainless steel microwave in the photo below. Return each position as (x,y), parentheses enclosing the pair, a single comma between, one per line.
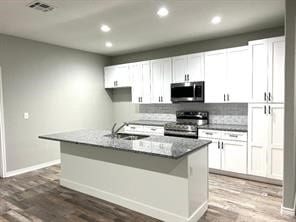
(187,92)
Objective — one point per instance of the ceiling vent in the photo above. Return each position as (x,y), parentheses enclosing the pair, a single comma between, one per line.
(40,6)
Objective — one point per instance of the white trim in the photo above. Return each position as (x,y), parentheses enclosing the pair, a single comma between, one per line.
(134,205)
(287,211)
(2,132)
(32,168)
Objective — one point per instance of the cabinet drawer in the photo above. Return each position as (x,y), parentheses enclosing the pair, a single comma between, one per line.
(154,130)
(211,134)
(235,136)
(134,128)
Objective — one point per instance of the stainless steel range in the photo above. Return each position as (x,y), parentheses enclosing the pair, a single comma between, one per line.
(187,124)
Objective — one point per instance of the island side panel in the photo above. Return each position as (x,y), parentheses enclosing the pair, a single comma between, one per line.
(152,185)
(198,183)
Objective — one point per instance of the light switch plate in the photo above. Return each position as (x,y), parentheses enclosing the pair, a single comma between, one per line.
(26,116)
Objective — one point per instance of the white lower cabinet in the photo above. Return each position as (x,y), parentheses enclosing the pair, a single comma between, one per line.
(224,153)
(266,132)
(144,129)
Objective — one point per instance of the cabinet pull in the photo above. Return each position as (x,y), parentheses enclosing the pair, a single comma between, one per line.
(269,110)
(218,145)
(188,77)
(224,98)
(209,133)
(161,99)
(141,99)
(269,96)
(222,145)
(233,135)
(227,97)
(264,109)
(153,129)
(132,127)
(185,77)
(265,96)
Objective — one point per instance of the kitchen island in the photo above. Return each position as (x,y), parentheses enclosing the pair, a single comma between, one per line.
(163,177)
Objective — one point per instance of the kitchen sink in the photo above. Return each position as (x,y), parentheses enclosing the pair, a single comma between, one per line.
(127,136)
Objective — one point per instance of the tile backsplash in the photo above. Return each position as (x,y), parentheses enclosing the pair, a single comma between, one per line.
(225,113)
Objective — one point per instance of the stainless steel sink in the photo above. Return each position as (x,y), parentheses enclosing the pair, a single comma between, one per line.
(126,136)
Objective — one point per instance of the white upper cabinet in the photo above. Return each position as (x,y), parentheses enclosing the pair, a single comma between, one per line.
(268,61)
(188,68)
(276,71)
(215,76)
(117,76)
(141,91)
(238,87)
(161,78)
(227,75)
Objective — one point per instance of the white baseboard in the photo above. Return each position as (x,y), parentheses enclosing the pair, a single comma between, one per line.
(31,168)
(288,211)
(133,205)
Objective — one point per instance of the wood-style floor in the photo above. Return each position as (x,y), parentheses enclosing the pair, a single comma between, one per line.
(37,196)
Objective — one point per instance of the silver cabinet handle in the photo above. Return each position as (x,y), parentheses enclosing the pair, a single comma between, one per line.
(269,96)
(232,135)
(265,96)
(227,97)
(269,110)
(224,98)
(185,77)
(218,144)
(188,77)
(222,145)
(209,133)
(153,129)
(264,109)
(161,99)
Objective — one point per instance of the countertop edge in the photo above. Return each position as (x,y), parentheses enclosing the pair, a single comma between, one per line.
(131,151)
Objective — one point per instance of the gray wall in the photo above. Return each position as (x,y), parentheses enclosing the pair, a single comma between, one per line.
(200,46)
(61,88)
(290,106)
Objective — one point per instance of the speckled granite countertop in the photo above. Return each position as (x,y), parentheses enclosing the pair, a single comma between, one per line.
(225,127)
(170,147)
(149,122)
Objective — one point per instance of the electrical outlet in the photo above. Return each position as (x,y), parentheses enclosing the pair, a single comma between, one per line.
(26,116)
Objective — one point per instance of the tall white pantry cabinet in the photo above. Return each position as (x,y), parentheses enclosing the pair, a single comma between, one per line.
(266,110)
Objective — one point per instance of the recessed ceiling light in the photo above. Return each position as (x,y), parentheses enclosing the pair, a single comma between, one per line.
(216,20)
(162,12)
(108,44)
(105,28)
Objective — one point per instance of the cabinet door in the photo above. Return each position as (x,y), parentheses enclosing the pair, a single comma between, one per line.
(157,81)
(180,68)
(214,155)
(257,139)
(215,76)
(234,156)
(146,82)
(276,73)
(238,75)
(167,80)
(122,76)
(258,50)
(196,68)
(276,141)
(137,81)
(109,75)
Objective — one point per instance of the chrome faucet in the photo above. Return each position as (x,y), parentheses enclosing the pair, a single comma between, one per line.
(114,132)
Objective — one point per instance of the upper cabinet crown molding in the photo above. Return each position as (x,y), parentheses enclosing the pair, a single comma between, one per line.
(188,68)
(268,67)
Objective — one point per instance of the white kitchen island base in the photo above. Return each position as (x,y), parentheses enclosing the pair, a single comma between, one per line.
(173,190)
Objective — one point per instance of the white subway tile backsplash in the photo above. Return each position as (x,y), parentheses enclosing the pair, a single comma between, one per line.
(236,114)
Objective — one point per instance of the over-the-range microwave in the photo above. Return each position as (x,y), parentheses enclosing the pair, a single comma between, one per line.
(187,92)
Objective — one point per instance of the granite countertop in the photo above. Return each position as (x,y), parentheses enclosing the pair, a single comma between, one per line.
(170,147)
(225,127)
(148,122)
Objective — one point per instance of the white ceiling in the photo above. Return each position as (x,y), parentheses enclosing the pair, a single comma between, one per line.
(135,26)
